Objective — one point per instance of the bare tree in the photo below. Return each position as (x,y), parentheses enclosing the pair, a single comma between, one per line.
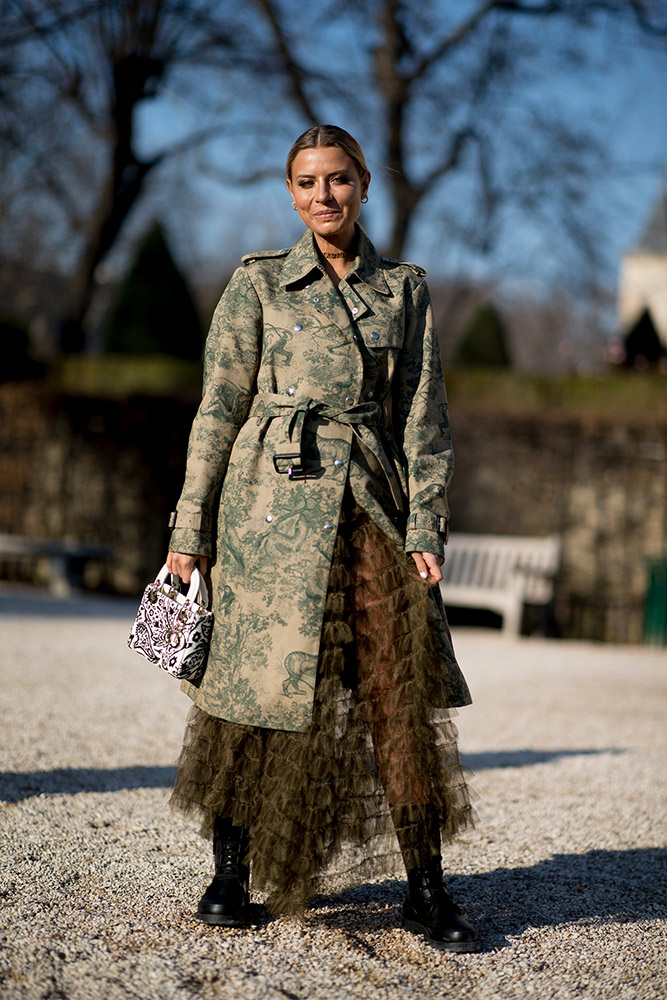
(77,73)
(456,103)
(463,93)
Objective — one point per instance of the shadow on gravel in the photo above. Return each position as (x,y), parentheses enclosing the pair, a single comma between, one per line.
(16,786)
(523,758)
(593,888)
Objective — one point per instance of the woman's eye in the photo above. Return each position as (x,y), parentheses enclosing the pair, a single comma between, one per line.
(341,179)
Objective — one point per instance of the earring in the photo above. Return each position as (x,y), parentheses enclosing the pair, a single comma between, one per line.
(294,206)
(364,199)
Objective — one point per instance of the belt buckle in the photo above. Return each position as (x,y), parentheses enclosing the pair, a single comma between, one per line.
(294,470)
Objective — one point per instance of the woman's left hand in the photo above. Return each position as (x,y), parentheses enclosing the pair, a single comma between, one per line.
(428,565)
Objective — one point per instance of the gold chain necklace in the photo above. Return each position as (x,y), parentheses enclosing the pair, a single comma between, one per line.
(334,256)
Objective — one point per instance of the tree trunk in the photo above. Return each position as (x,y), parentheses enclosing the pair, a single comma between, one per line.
(405,200)
(115,204)
(395,89)
(131,77)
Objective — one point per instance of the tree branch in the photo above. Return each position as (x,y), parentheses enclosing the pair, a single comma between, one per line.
(295,73)
(59,191)
(643,18)
(32,26)
(459,141)
(467,27)
(227,177)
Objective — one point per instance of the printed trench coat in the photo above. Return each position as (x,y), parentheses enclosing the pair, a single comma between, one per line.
(307,386)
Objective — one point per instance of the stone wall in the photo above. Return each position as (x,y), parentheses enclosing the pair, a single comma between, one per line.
(602,486)
(109,472)
(98,471)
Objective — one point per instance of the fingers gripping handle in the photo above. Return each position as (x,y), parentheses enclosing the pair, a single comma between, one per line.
(197,591)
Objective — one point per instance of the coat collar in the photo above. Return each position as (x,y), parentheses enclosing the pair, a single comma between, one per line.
(367,266)
(302,260)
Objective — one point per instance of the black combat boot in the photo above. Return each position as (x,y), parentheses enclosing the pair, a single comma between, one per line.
(428,909)
(226,900)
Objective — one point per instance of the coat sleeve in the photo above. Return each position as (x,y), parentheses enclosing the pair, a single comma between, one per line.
(421,427)
(231,361)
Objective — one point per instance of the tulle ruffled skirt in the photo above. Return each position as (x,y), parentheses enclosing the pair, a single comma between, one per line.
(379,765)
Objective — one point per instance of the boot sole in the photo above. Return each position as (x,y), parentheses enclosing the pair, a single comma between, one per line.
(462,947)
(220,920)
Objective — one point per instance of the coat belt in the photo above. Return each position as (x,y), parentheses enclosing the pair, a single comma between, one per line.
(366,421)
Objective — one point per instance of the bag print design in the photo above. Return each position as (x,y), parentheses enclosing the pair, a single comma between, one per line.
(174,630)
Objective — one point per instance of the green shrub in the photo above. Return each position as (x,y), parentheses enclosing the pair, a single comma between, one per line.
(118,376)
(154,313)
(484,341)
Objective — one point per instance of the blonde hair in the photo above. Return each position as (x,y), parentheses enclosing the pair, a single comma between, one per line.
(328,135)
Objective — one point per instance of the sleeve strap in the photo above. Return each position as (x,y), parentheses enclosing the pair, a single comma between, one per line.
(198,522)
(429,522)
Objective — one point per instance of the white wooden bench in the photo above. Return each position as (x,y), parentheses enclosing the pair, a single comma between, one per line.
(500,573)
(65,558)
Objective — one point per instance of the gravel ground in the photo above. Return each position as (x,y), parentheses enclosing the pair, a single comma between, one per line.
(564,874)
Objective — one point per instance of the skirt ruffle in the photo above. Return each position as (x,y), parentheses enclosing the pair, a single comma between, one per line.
(381,752)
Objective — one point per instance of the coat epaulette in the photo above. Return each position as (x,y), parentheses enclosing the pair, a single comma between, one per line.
(248,258)
(421,271)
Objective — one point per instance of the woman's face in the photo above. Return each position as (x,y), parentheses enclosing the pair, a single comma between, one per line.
(327,190)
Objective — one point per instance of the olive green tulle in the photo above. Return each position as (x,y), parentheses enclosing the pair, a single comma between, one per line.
(381,752)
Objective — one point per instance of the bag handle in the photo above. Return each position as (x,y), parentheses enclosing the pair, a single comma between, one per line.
(197,592)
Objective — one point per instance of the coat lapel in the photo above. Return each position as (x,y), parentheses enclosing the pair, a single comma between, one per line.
(303,272)
(365,279)
(367,266)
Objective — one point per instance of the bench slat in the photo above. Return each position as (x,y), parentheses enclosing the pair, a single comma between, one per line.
(500,572)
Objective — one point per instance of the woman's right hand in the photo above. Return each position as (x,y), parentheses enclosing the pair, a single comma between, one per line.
(181,564)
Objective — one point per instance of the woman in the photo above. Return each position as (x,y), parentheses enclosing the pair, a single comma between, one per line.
(317,472)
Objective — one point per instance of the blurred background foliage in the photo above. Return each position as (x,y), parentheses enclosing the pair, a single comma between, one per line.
(610,396)
(484,121)
(484,341)
(154,311)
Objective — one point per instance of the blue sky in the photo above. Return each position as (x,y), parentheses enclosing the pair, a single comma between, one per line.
(621,98)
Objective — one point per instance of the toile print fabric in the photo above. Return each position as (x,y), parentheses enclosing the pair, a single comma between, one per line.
(308,387)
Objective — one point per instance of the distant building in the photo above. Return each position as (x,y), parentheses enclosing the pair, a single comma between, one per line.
(642,293)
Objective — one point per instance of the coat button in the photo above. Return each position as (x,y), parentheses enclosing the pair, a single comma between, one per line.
(355,311)
(349,399)
(298,328)
(291,391)
(328,527)
(371,395)
(338,462)
(375,336)
(316,298)
(354,337)
(269,518)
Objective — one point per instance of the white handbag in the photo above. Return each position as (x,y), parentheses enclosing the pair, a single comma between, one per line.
(173,629)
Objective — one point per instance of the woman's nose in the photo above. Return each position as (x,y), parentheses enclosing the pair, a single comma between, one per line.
(323,192)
